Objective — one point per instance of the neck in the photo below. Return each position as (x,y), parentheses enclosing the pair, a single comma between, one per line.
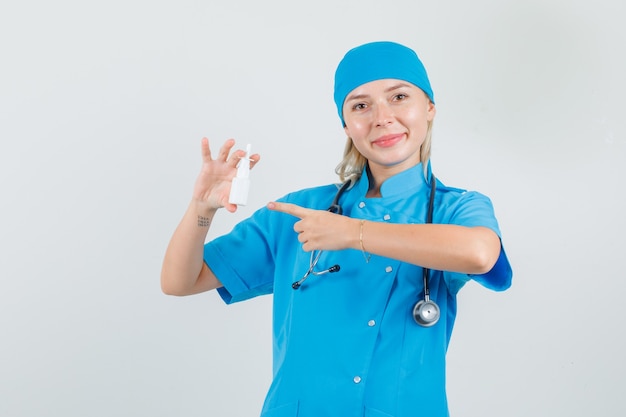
(373,192)
(375,182)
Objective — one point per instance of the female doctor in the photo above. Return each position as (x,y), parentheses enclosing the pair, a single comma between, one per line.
(364,279)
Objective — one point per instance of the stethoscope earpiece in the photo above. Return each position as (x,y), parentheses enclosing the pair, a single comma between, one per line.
(426,313)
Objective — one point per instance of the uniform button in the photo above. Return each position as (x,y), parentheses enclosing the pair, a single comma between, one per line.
(388,269)
(357,379)
(386,217)
(371,323)
(361,204)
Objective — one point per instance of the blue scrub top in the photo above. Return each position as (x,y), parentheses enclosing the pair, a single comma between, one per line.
(346,344)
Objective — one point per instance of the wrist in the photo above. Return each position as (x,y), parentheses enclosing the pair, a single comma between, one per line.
(202,212)
(366,254)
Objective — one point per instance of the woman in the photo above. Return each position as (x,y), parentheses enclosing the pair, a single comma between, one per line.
(364,293)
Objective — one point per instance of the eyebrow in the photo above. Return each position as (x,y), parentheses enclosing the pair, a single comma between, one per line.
(362,96)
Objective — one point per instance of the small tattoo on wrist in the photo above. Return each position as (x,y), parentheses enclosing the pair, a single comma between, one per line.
(204,221)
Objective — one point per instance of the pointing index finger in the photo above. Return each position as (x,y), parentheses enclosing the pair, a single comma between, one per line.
(288,208)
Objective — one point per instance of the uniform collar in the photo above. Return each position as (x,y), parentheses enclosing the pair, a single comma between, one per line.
(409,181)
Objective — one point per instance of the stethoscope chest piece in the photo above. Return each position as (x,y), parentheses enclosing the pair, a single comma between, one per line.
(426,313)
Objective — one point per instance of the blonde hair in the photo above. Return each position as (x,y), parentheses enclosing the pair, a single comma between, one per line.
(353,163)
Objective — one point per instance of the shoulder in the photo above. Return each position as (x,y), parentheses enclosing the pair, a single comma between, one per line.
(461,206)
(455,195)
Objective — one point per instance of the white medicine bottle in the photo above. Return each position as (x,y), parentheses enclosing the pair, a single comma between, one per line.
(241,183)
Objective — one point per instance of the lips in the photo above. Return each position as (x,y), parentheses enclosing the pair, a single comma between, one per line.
(388,140)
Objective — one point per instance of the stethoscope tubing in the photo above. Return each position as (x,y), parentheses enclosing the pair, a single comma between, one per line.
(425,312)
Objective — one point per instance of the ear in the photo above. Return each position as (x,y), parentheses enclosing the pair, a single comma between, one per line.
(347,131)
(431,111)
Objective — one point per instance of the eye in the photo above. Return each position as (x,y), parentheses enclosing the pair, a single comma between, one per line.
(400,97)
(359,106)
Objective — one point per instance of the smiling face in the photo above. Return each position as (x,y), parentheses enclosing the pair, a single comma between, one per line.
(387,121)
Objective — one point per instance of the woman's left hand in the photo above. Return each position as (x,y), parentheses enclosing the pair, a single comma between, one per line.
(321,229)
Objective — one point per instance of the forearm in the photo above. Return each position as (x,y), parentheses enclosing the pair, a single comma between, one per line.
(471,250)
(184,271)
(446,247)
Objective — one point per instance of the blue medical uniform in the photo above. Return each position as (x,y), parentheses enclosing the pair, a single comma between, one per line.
(346,344)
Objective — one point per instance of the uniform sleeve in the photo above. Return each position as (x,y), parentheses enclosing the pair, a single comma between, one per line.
(243,260)
(473,209)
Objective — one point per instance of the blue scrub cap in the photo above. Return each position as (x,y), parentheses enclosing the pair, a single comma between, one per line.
(377,61)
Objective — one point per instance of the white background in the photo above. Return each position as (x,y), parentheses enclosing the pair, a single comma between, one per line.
(102,108)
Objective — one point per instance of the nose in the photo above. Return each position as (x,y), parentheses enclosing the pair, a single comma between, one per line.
(384,115)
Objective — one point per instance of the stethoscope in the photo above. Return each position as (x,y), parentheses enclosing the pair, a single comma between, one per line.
(426,311)
(315,255)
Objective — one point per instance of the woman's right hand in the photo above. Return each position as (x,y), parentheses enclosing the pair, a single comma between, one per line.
(212,187)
